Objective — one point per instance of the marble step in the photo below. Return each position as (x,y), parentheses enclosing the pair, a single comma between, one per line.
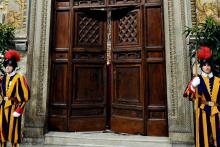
(99,139)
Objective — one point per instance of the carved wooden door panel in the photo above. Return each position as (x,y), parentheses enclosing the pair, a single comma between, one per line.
(88,100)
(138,59)
(156,123)
(78,78)
(60,69)
(128,98)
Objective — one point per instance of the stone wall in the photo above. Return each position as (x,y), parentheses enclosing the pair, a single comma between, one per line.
(15,12)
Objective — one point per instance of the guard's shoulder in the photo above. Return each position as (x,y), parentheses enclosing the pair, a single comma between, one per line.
(217,78)
(20,75)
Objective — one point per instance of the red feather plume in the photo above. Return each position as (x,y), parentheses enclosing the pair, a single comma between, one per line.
(204,53)
(12,53)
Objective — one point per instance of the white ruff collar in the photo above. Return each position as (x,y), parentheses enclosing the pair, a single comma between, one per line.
(12,73)
(210,75)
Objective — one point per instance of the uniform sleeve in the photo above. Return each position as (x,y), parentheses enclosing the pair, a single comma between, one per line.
(1,94)
(189,92)
(22,93)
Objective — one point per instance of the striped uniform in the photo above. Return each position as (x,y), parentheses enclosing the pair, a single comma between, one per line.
(208,112)
(15,93)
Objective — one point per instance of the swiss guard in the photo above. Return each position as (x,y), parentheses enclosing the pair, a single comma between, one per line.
(15,94)
(204,91)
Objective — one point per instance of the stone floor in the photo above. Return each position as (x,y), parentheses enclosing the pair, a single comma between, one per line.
(100,139)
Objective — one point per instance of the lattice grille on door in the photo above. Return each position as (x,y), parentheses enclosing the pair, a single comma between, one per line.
(128,28)
(88,30)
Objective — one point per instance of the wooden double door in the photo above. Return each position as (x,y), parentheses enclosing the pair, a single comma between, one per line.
(126,95)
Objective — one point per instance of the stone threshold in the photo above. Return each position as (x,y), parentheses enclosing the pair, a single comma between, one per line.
(100,139)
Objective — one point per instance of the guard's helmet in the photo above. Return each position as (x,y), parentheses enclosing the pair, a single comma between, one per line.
(11,58)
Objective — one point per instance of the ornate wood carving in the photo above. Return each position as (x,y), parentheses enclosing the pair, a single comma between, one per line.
(89,3)
(127,55)
(124,2)
(88,56)
(88,30)
(128,28)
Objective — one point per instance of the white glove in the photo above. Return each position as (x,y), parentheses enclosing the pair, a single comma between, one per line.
(195,82)
(16,114)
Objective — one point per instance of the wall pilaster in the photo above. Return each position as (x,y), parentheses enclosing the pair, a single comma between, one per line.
(177,16)
(37,67)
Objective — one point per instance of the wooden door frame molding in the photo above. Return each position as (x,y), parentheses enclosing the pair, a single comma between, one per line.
(39,62)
